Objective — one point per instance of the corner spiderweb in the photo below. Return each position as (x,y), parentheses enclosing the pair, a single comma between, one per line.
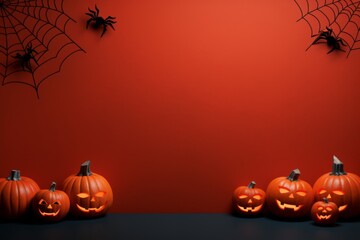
(40,24)
(343,16)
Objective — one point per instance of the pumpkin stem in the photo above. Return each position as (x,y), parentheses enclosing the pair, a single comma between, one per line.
(326,200)
(337,167)
(14,175)
(252,184)
(294,175)
(52,187)
(85,169)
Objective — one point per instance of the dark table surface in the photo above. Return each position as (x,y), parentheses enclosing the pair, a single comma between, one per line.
(178,226)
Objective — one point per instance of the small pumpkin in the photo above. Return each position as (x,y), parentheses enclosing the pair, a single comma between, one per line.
(289,197)
(90,193)
(51,205)
(248,200)
(340,187)
(16,193)
(324,212)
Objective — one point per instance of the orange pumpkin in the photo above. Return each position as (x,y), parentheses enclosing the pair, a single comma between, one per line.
(340,187)
(51,205)
(289,197)
(324,212)
(90,193)
(16,193)
(248,200)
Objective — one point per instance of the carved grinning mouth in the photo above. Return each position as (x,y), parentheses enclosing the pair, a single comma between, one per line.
(282,206)
(323,216)
(98,209)
(250,209)
(49,214)
(342,208)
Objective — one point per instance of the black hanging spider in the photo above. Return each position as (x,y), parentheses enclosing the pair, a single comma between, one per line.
(330,39)
(24,59)
(99,21)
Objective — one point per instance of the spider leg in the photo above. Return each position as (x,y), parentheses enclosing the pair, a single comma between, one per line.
(26,65)
(110,24)
(338,47)
(17,56)
(104,30)
(33,58)
(316,41)
(88,22)
(342,42)
(109,17)
(97,10)
(329,30)
(92,11)
(91,15)
(332,50)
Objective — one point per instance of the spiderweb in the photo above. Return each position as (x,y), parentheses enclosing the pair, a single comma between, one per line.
(40,24)
(343,16)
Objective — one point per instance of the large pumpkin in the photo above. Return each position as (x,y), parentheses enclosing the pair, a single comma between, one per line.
(324,212)
(289,197)
(248,200)
(51,205)
(16,193)
(340,187)
(90,193)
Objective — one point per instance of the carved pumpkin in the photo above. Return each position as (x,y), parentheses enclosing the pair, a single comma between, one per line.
(289,197)
(248,200)
(16,193)
(341,188)
(51,205)
(324,212)
(90,193)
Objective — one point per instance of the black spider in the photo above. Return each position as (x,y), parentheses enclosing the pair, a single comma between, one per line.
(24,59)
(330,39)
(99,21)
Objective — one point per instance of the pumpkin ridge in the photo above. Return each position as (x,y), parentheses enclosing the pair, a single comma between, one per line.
(352,189)
(68,183)
(18,185)
(98,184)
(85,184)
(9,194)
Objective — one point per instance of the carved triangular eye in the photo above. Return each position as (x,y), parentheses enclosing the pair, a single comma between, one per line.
(83,195)
(283,190)
(100,194)
(257,196)
(322,191)
(338,192)
(242,196)
(301,193)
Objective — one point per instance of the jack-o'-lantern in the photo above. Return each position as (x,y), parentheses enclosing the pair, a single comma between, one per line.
(248,200)
(16,193)
(289,197)
(340,187)
(90,193)
(51,205)
(324,212)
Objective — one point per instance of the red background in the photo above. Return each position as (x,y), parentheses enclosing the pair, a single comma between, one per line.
(185,101)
